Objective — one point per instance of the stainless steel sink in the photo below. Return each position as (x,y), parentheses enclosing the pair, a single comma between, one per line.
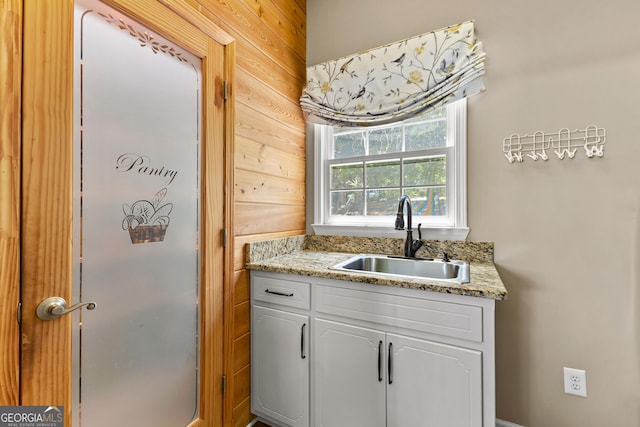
(450,271)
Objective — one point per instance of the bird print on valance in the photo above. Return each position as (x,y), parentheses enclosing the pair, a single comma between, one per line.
(396,81)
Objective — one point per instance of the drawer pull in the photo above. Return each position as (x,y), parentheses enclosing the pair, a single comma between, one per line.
(282,294)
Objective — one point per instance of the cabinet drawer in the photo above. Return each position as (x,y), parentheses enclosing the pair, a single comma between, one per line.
(288,293)
(442,318)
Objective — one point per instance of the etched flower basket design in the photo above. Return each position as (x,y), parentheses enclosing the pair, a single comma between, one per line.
(147,221)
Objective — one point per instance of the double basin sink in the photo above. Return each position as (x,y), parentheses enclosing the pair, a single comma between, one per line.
(420,268)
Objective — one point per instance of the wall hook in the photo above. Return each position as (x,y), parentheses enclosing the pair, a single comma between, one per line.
(564,143)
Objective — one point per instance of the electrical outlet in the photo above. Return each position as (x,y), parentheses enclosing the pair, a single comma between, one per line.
(575,382)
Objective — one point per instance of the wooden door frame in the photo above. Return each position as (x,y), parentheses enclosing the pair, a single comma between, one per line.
(10,99)
(50,188)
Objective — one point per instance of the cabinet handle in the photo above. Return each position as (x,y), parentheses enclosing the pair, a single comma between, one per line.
(282,294)
(380,361)
(390,364)
(302,355)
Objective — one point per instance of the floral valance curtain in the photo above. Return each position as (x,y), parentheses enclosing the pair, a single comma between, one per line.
(396,81)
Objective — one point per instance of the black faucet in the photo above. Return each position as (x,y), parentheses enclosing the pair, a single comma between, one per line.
(410,246)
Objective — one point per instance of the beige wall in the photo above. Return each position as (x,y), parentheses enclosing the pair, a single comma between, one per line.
(566,232)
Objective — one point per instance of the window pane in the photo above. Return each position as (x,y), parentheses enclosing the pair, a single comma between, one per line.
(347,203)
(427,135)
(347,176)
(425,171)
(383,201)
(386,140)
(369,168)
(383,173)
(348,145)
(428,201)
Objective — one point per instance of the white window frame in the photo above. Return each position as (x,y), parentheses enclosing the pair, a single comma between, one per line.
(453,227)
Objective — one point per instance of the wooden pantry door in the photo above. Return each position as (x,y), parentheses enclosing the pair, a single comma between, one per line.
(50,240)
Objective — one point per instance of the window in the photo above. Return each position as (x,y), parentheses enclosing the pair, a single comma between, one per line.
(360,174)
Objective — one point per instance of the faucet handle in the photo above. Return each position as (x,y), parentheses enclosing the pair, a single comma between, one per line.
(419,232)
(445,257)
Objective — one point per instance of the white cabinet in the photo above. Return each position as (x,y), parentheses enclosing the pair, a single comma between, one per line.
(432,384)
(328,353)
(349,378)
(365,377)
(280,357)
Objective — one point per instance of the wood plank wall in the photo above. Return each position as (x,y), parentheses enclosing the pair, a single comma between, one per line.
(10,86)
(269,154)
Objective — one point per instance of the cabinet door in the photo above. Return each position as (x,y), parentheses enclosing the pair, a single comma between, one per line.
(280,366)
(349,374)
(433,385)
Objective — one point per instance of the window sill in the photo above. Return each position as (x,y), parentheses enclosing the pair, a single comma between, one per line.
(434,233)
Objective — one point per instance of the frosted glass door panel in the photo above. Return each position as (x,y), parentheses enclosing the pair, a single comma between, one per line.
(136,222)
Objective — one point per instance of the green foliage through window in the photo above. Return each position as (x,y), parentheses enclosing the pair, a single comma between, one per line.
(370,168)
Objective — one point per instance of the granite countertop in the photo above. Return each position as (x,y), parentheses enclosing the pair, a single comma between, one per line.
(313,255)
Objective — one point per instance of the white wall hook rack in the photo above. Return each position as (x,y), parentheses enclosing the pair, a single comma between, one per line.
(565,142)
